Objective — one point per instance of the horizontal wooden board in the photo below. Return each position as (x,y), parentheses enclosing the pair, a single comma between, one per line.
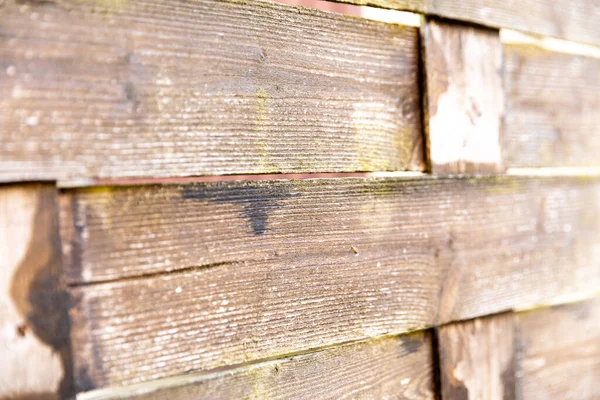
(266,268)
(390,368)
(553,108)
(34,326)
(573,20)
(163,88)
(464,98)
(477,358)
(559,352)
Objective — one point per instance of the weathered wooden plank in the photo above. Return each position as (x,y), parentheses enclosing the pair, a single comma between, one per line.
(559,352)
(573,20)
(390,368)
(464,98)
(267,268)
(477,358)
(553,117)
(135,89)
(34,337)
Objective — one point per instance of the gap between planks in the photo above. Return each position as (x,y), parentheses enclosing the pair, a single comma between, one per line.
(82,183)
(531,172)
(561,300)
(509,36)
(555,171)
(375,14)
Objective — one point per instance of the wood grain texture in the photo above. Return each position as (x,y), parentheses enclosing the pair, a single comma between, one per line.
(34,327)
(266,268)
(390,368)
(464,98)
(573,20)
(477,359)
(559,352)
(135,89)
(553,116)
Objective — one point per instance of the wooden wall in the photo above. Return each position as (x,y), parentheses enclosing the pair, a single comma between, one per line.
(247,199)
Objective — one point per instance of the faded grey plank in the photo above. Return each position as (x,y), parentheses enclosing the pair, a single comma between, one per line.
(477,358)
(573,20)
(390,368)
(553,117)
(559,352)
(464,98)
(272,267)
(176,88)
(34,326)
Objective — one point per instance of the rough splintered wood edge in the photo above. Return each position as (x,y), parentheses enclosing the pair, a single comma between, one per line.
(392,367)
(559,352)
(553,117)
(35,359)
(272,97)
(325,261)
(477,358)
(464,98)
(573,20)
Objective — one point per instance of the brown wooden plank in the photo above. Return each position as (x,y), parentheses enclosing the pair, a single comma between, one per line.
(267,268)
(390,368)
(136,89)
(465,98)
(34,336)
(553,117)
(559,356)
(573,20)
(477,359)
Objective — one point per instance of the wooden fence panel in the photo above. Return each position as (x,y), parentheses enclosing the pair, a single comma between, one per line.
(274,287)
